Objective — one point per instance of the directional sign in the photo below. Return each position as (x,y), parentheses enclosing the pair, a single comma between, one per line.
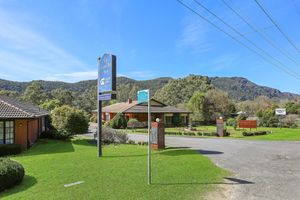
(106,97)
(280,111)
(143,96)
(107,74)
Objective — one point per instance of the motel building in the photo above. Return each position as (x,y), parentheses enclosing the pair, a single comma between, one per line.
(20,123)
(133,109)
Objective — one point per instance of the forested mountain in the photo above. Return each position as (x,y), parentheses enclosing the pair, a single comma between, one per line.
(169,90)
(242,89)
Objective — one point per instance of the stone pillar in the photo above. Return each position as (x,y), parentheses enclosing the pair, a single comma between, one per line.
(220,127)
(157,135)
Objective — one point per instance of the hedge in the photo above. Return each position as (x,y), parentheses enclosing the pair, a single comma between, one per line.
(11,173)
(10,149)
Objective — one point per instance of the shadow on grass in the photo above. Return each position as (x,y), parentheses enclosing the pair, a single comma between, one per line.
(27,182)
(179,151)
(50,146)
(233,181)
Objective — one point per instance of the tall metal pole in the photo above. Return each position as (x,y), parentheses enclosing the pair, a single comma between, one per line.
(149,138)
(99,120)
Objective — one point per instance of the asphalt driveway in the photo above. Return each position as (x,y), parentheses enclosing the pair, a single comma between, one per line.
(264,170)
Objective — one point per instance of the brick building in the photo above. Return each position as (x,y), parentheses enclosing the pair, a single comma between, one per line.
(20,122)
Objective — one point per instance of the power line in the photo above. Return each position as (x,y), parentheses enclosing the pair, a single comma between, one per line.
(272,43)
(241,43)
(243,36)
(276,25)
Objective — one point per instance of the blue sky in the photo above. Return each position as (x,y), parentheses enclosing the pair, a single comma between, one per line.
(61,40)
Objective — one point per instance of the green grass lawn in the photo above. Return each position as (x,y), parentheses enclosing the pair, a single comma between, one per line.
(120,174)
(279,134)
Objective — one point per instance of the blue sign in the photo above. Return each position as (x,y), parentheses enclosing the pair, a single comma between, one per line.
(143,96)
(107,74)
(106,97)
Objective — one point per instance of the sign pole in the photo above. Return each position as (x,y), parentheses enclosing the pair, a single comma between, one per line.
(99,120)
(149,138)
(99,139)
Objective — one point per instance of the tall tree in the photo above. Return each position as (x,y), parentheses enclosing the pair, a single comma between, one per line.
(65,97)
(216,104)
(34,93)
(195,105)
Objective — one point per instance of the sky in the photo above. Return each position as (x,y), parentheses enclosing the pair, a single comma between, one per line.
(60,40)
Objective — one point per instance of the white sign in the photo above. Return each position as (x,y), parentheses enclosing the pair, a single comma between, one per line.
(280,111)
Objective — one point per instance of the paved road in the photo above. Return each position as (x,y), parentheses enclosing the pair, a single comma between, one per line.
(266,170)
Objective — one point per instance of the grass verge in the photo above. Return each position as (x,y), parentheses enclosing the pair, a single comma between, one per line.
(120,174)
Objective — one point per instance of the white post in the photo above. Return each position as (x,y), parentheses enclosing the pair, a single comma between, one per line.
(149,138)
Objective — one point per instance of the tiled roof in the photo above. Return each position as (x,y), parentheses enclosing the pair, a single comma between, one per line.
(135,107)
(12,108)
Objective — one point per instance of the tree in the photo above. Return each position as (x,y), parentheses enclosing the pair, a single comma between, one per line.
(34,93)
(118,121)
(181,90)
(216,104)
(50,104)
(68,120)
(88,100)
(267,117)
(9,93)
(65,97)
(195,105)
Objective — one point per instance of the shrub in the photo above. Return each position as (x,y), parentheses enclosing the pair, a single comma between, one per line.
(68,121)
(247,134)
(133,123)
(118,121)
(131,142)
(110,135)
(209,134)
(93,119)
(54,134)
(11,173)
(10,149)
(107,124)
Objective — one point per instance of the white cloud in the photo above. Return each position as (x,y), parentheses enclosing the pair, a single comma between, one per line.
(194,38)
(74,76)
(27,52)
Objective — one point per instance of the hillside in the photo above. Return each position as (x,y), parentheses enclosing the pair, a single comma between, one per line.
(242,89)
(237,87)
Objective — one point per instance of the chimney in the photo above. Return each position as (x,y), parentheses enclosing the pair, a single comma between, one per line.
(129,100)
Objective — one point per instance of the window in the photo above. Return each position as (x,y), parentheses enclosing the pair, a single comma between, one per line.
(6,132)
(1,132)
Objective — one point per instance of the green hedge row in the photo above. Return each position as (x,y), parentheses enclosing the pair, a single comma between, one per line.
(10,149)
(246,134)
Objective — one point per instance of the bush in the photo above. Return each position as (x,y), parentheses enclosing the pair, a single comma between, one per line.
(10,149)
(110,135)
(69,121)
(54,134)
(11,173)
(133,123)
(93,119)
(232,122)
(247,134)
(118,121)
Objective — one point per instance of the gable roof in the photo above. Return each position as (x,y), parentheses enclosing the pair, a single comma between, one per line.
(12,108)
(135,107)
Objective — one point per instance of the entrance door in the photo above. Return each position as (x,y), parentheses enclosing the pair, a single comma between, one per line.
(6,132)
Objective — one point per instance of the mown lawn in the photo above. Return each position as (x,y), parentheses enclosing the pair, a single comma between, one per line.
(278,134)
(120,174)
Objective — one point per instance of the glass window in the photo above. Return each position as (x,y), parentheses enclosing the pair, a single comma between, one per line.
(1,132)
(9,132)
